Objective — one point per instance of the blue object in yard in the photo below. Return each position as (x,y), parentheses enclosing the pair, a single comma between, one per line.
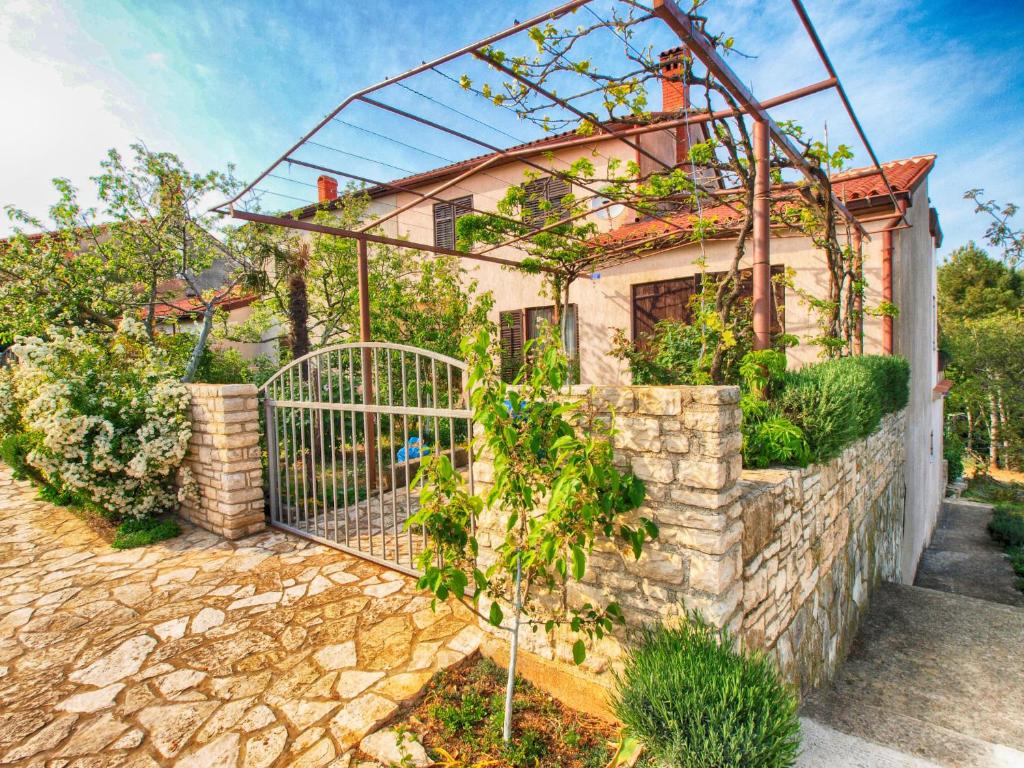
(413,449)
(523,406)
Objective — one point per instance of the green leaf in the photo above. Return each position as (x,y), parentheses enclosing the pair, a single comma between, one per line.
(579,563)
(496,615)
(579,652)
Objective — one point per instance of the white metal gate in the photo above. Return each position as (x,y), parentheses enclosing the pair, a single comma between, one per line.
(346,428)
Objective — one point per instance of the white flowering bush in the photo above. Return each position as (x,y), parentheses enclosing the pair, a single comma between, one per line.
(108,418)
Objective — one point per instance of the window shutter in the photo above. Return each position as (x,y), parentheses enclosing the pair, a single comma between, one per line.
(511,323)
(665,300)
(548,189)
(444,226)
(446,215)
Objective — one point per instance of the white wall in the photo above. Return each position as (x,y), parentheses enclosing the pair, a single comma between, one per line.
(914,290)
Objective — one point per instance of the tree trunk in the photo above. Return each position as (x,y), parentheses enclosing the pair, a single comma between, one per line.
(298,305)
(993,433)
(200,346)
(506,731)
(970,431)
(1004,433)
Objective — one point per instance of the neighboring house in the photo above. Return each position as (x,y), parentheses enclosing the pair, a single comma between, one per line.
(634,295)
(185,315)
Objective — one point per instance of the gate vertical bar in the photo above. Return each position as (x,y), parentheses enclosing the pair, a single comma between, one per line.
(270,429)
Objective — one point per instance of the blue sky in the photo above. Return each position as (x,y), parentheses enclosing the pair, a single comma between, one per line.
(240,81)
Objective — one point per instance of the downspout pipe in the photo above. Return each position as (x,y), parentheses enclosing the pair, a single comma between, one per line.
(762,285)
(858,299)
(887,256)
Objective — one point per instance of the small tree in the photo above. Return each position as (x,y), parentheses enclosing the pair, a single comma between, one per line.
(88,268)
(421,300)
(1001,232)
(555,480)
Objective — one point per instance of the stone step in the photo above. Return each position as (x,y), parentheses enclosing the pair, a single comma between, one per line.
(963,559)
(935,675)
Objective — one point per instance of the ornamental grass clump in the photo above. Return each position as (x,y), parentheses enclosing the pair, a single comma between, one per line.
(695,701)
(104,417)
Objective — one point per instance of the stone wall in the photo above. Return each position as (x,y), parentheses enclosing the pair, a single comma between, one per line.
(684,442)
(784,558)
(816,542)
(224,459)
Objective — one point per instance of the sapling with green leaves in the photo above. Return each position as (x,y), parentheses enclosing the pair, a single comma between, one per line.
(555,482)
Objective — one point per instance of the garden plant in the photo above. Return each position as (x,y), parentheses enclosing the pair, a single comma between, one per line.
(100,420)
(695,701)
(556,483)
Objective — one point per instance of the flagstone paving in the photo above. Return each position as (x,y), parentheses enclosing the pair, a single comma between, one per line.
(200,652)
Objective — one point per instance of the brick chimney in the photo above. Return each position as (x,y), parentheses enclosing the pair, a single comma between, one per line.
(326,188)
(675,96)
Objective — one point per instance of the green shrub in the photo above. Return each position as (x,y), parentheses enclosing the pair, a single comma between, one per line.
(1007,524)
(695,701)
(143,532)
(891,376)
(111,419)
(953,452)
(14,450)
(768,436)
(61,497)
(773,440)
(818,401)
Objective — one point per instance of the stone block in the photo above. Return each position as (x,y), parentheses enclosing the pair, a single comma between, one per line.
(707,474)
(638,434)
(657,469)
(711,573)
(675,442)
(658,401)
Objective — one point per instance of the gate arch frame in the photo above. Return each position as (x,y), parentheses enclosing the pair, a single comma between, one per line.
(296,393)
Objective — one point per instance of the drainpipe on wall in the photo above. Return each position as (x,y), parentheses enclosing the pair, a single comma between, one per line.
(858,299)
(887,250)
(762,288)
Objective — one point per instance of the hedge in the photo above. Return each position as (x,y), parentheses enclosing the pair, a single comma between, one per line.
(832,404)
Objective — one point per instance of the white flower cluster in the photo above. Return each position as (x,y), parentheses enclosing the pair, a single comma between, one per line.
(113,422)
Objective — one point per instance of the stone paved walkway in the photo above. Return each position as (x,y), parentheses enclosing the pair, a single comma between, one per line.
(199,652)
(935,677)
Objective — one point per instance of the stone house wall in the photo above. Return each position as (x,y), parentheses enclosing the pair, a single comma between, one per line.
(816,542)
(785,558)
(224,459)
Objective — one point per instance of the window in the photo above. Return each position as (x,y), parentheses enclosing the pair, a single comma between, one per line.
(445,216)
(519,326)
(670,300)
(547,189)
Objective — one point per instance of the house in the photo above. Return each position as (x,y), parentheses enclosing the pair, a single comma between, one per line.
(631,295)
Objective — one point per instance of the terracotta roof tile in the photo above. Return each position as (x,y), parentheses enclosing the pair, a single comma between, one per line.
(849,186)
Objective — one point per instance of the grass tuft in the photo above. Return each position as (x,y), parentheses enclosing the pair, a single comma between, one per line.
(143,532)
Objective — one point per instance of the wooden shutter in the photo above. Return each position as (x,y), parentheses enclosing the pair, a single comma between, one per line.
(548,189)
(511,323)
(664,300)
(444,225)
(446,215)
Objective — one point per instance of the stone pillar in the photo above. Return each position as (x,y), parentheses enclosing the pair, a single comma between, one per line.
(224,458)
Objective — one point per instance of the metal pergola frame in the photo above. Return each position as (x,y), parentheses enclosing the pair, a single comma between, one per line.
(692,36)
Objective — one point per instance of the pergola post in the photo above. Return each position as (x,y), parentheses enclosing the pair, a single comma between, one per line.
(762,239)
(369,425)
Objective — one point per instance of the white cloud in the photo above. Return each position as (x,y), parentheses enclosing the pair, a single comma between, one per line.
(64,108)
